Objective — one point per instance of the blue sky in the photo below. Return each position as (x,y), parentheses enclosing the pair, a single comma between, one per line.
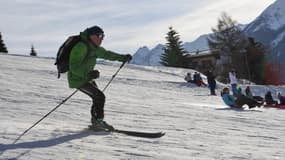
(128,24)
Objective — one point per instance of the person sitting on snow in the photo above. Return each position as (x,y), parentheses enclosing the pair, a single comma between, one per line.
(239,101)
(188,78)
(198,80)
(249,94)
(281,99)
(269,99)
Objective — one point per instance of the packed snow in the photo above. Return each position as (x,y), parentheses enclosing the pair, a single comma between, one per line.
(197,126)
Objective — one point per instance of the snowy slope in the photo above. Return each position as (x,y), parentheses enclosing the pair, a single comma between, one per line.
(140,98)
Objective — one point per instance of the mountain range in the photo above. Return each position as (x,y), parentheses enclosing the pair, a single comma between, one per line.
(268,28)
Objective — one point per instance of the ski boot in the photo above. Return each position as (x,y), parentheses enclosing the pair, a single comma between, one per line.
(100,125)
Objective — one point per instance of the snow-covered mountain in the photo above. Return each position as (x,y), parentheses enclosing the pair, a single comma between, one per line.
(269,29)
(199,44)
(142,98)
(145,56)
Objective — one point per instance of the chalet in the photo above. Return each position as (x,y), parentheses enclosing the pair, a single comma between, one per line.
(203,60)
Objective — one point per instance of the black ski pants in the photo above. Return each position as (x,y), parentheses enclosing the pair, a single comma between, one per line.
(98,98)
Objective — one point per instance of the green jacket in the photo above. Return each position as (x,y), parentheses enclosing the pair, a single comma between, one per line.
(80,65)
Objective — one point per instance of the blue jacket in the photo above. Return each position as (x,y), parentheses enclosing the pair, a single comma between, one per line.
(229,99)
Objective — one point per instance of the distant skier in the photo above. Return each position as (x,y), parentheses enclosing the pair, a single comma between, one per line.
(233,81)
(211,82)
(81,71)
(239,101)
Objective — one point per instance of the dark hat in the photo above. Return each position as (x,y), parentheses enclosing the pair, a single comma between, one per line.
(94,30)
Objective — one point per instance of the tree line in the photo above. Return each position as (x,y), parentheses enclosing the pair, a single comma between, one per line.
(236,52)
(3,48)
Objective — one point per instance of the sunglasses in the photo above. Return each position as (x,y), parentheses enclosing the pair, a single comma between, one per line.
(101,36)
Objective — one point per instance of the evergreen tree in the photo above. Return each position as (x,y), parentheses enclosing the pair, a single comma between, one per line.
(230,43)
(33,52)
(257,58)
(3,48)
(174,54)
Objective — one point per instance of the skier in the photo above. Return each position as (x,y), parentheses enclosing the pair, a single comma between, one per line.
(233,81)
(211,82)
(239,100)
(81,72)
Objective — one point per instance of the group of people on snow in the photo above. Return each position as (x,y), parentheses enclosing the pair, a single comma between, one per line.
(197,79)
(269,100)
(238,99)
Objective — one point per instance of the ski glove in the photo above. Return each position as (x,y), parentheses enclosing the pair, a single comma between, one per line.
(128,58)
(93,74)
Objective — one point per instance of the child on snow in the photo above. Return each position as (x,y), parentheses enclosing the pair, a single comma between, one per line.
(249,94)
(198,79)
(188,78)
(269,99)
(239,100)
(281,99)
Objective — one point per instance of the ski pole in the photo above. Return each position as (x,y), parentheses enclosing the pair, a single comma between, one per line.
(27,130)
(114,76)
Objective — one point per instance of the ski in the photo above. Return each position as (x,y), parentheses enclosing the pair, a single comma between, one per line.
(131,133)
(140,134)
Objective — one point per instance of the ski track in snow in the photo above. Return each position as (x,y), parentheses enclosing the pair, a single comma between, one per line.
(197,126)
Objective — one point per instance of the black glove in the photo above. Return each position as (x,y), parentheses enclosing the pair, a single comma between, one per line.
(127,58)
(93,74)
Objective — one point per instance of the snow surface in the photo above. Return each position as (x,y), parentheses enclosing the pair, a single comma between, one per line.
(197,126)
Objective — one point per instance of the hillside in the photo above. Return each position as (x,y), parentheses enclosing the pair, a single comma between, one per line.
(197,126)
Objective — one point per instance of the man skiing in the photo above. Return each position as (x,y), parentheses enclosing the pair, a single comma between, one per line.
(81,72)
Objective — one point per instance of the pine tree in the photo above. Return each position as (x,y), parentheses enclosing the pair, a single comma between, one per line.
(3,48)
(33,52)
(174,54)
(230,43)
(257,58)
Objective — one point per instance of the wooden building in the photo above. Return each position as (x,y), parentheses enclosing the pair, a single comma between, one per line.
(203,60)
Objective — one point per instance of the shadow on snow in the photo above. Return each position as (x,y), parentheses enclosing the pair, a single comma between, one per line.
(49,142)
